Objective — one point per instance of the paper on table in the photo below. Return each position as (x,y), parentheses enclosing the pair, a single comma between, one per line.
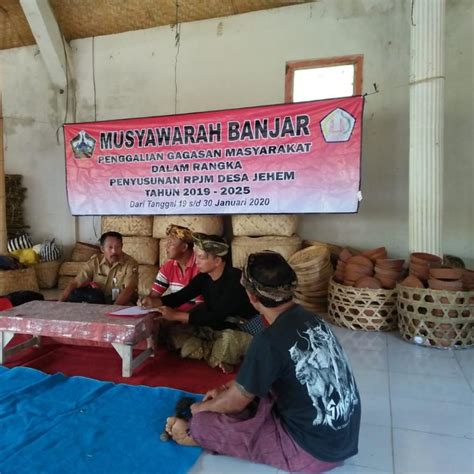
(130,311)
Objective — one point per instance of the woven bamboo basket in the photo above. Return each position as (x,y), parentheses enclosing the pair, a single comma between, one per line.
(70,268)
(128,225)
(436,318)
(242,247)
(18,280)
(64,281)
(362,308)
(47,273)
(206,224)
(146,277)
(143,249)
(163,253)
(253,225)
(82,252)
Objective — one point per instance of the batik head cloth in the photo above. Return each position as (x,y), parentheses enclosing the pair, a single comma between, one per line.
(280,293)
(180,233)
(210,244)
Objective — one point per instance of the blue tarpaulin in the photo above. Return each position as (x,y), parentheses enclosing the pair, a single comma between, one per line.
(58,424)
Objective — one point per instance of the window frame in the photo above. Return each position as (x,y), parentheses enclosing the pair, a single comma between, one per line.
(357,60)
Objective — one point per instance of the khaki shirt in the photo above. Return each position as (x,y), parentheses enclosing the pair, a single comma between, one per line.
(98,270)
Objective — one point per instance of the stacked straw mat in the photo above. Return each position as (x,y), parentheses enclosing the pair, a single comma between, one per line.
(146,277)
(143,249)
(128,225)
(254,225)
(82,252)
(313,268)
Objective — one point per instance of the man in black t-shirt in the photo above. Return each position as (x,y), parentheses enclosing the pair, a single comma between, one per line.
(210,330)
(294,404)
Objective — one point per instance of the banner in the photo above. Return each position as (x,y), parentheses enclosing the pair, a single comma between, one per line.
(289,158)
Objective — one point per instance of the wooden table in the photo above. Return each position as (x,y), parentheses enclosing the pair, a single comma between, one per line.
(88,322)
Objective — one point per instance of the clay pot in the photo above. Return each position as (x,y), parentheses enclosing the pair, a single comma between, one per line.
(420,271)
(345,255)
(374,254)
(468,280)
(421,258)
(450,285)
(387,283)
(446,273)
(368,282)
(349,282)
(389,263)
(354,272)
(412,282)
(387,272)
(361,260)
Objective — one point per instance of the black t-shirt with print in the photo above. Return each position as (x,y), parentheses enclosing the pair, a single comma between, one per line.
(301,362)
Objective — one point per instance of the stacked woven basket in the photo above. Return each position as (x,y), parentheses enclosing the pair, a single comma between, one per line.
(81,253)
(313,268)
(257,232)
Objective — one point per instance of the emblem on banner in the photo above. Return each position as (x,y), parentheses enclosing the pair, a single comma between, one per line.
(337,126)
(83,145)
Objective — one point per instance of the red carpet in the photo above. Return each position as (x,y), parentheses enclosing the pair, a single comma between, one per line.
(103,363)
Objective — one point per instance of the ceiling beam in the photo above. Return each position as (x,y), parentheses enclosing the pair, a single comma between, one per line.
(49,39)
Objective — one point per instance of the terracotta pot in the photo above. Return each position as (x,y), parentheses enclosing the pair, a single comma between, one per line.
(387,283)
(420,271)
(446,273)
(354,271)
(421,258)
(361,260)
(349,282)
(387,272)
(390,263)
(373,252)
(412,282)
(450,285)
(340,265)
(368,282)
(345,255)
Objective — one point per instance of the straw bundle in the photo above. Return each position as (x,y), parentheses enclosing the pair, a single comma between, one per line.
(64,281)
(143,249)
(206,224)
(242,247)
(70,268)
(313,268)
(82,252)
(146,277)
(439,318)
(128,225)
(47,273)
(264,224)
(18,280)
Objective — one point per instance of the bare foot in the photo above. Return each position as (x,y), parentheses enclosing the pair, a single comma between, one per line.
(178,430)
(226,368)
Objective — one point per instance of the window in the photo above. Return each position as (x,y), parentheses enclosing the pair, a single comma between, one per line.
(323,78)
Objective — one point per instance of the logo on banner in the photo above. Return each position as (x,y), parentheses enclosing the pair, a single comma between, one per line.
(83,145)
(337,126)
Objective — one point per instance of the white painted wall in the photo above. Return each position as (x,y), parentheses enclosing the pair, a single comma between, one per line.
(240,61)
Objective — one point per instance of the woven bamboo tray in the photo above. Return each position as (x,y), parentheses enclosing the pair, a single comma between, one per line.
(146,277)
(82,252)
(436,318)
(143,249)
(206,224)
(362,308)
(18,280)
(242,247)
(128,225)
(47,273)
(253,225)
(64,281)
(70,268)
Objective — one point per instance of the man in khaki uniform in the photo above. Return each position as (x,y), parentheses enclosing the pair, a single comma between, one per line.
(111,269)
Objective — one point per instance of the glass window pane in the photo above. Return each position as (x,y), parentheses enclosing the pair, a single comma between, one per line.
(323,83)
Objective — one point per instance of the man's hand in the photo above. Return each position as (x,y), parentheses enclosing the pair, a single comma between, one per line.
(148,302)
(171,314)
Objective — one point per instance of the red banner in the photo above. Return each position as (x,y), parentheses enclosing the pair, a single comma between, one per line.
(290,158)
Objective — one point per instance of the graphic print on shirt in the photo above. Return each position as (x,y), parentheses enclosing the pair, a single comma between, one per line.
(322,366)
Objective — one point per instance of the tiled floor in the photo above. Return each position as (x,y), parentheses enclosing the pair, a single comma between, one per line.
(417,410)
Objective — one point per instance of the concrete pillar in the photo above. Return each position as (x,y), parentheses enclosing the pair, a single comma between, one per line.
(426,126)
